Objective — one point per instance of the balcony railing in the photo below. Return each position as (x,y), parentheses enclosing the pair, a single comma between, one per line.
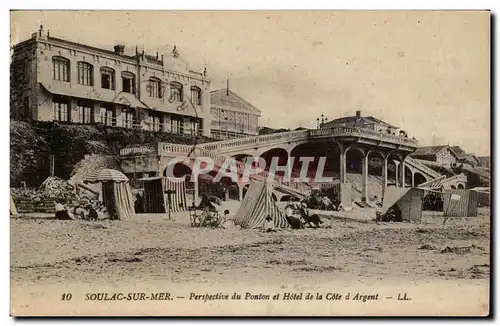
(308,134)
(362,132)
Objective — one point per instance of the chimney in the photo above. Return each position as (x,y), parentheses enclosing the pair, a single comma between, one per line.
(120,49)
(358,114)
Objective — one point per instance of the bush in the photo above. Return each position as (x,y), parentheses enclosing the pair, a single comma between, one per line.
(31,145)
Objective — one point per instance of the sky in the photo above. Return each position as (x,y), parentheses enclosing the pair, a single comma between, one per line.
(427,72)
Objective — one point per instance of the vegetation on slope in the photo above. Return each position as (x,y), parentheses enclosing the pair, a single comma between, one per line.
(32,144)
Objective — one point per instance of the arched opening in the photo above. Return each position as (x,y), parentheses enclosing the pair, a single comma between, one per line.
(408,176)
(393,166)
(375,164)
(128,82)
(61,69)
(453,187)
(354,160)
(419,178)
(155,88)
(107,78)
(313,153)
(461,186)
(279,154)
(85,73)
(196,95)
(354,170)
(179,170)
(375,174)
(176,92)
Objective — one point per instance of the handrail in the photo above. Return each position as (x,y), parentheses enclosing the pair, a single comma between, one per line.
(307,134)
(422,167)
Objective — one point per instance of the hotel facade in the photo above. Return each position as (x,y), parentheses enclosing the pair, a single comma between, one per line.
(232,115)
(58,80)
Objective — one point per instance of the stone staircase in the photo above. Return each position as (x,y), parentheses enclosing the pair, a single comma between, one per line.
(362,204)
(28,205)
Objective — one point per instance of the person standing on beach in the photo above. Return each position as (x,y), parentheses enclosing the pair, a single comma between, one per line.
(378,212)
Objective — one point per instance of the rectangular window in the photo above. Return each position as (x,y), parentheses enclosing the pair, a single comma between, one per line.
(156,123)
(127,119)
(176,126)
(85,113)
(107,116)
(60,107)
(85,74)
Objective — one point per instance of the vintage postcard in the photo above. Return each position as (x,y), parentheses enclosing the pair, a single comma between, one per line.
(250,163)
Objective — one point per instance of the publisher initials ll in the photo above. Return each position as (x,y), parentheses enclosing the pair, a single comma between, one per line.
(403,297)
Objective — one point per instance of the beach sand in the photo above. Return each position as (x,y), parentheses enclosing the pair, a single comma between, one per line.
(348,253)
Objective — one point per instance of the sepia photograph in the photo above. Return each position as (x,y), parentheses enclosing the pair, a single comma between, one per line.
(250,163)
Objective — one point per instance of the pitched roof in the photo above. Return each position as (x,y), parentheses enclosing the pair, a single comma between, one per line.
(484,160)
(431,150)
(459,151)
(471,156)
(366,120)
(249,105)
(376,120)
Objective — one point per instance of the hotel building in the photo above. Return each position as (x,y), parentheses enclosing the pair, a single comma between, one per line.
(58,80)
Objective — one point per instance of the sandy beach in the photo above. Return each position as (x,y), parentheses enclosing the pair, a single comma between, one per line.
(349,250)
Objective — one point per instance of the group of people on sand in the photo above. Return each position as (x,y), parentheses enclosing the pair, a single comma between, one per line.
(91,210)
(297,216)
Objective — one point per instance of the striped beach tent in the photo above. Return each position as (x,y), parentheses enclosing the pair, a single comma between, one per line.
(13,209)
(257,205)
(178,199)
(105,175)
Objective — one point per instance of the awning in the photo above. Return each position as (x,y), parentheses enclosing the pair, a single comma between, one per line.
(105,175)
(288,191)
(121,98)
(128,99)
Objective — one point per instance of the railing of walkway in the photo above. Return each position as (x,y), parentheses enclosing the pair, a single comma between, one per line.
(308,134)
(427,170)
